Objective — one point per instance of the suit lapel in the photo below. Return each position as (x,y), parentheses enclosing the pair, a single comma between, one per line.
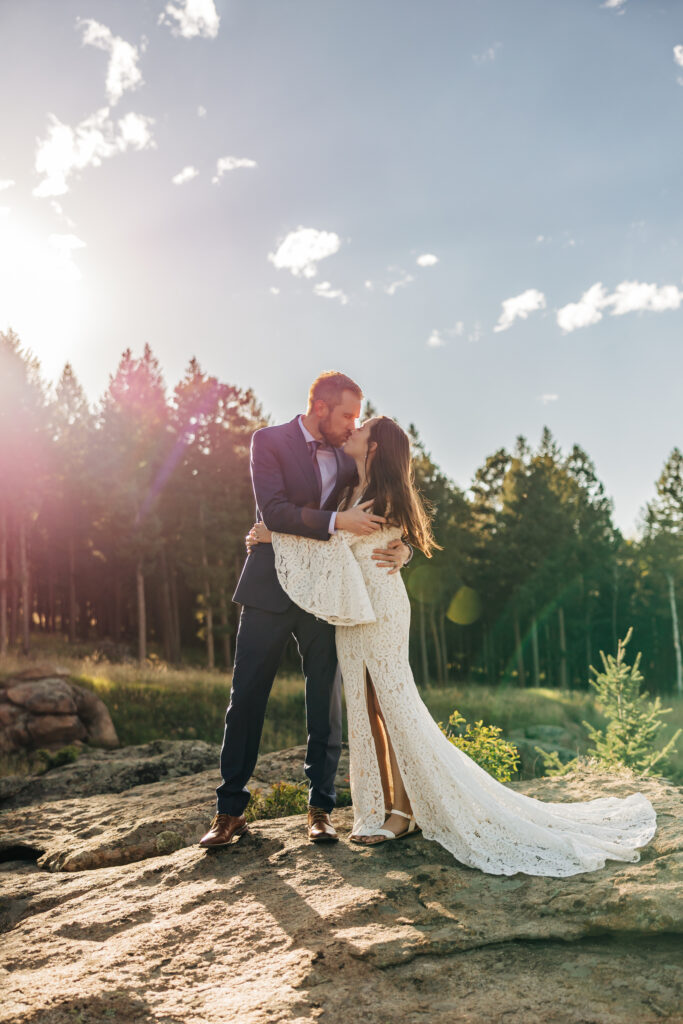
(299,448)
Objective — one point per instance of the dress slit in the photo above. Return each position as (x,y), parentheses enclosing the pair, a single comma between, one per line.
(384,726)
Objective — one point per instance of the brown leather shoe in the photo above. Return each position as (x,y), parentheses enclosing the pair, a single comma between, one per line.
(320,828)
(224,828)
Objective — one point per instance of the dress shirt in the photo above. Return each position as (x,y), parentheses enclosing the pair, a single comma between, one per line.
(327,463)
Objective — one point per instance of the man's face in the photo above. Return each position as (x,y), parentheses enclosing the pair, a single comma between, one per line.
(337,425)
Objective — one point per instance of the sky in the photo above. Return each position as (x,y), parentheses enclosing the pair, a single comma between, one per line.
(472,207)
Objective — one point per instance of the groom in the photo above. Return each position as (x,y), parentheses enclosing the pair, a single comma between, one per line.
(298,473)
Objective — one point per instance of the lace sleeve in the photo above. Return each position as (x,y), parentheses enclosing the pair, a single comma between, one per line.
(323,577)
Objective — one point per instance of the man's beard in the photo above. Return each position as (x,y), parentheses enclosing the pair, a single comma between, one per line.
(324,426)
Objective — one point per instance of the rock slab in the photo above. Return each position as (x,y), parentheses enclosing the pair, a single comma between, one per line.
(43,708)
(111,912)
(276,929)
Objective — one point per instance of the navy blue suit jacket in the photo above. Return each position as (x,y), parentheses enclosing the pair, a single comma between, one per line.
(286,492)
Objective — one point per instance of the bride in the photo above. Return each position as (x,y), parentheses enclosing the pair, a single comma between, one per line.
(405,775)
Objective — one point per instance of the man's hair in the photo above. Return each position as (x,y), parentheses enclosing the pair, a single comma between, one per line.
(329,387)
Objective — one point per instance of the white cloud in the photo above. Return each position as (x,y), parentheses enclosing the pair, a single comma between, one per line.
(65,149)
(436,338)
(325,290)
(476,333)
(587,311)
(191,18)
(230,163)
(678,57)
(302,250)
(274,291)
(370,286)
(427,259)
(627,297)
(401,282)
(187,174)
(632,296)
(5,211)
(201,111)
(488,55)
(614,5)
(520,306)
(122,71)
(59,210)
(6,183)
(549,398)
(65,243)
(134,130)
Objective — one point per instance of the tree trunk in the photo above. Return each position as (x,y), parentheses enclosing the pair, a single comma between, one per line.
(589,643)
(208,619)
(142,613)
(676,633)
(563,649)
(51,596)
(485,651)
(585,602)
(73,613)
(25,596)
(444,647)
(518,651)
(423,646)
(175,614)
(437,646)
(166,617)
(615,594)
(117,605)
(14,595)
(534,650)
(225,625)
(4,582)
(548,655)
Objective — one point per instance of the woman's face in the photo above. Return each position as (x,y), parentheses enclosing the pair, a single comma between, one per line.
(357,444)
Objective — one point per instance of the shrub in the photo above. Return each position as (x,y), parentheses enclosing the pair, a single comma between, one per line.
(483,743)
(284,798)
(55,759)
(632,721)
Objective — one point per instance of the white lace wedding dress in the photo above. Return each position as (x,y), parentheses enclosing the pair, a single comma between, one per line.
(482,822)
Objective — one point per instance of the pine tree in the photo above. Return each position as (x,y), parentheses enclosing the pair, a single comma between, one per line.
(633,720)
(663,545)
(135,442)
(23,444)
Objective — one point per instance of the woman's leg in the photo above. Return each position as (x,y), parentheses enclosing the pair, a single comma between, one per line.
(395,794)
(379,735)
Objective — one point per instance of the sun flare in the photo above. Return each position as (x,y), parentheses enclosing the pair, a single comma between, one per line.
(42,293)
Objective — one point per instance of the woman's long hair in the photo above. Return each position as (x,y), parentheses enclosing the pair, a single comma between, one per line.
(391,485)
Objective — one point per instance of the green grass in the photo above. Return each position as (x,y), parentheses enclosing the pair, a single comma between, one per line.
(511,708)
(155,701)
(674,721)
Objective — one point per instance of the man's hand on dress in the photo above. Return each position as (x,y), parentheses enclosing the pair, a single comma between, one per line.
(359,520)
(394,556)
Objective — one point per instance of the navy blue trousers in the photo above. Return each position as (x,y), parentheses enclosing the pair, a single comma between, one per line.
(261,640)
